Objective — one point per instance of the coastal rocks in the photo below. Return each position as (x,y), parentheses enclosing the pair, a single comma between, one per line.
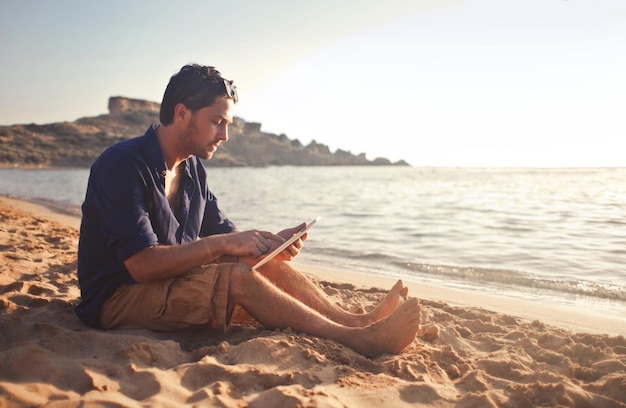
(119,106)
(78,144)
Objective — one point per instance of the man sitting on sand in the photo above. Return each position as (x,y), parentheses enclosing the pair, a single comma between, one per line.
(157,252)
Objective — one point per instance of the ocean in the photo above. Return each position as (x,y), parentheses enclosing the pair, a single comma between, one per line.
(552,235)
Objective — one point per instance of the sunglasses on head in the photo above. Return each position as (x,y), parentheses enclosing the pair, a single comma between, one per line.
(231,90)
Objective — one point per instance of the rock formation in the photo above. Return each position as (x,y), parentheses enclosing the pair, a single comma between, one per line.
(77,144)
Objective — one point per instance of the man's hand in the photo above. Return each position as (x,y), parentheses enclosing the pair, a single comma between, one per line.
(294,249)
(276,240)
(251,244)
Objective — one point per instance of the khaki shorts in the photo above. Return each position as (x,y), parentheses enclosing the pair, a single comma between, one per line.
(197,298)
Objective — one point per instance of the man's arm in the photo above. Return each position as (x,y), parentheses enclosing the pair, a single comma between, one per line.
(164,261)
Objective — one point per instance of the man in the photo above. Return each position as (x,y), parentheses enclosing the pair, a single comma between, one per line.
(157,252)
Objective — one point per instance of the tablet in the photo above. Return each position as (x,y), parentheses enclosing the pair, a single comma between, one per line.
(286,244)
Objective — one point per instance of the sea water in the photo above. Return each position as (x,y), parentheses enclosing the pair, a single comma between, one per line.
(556,235)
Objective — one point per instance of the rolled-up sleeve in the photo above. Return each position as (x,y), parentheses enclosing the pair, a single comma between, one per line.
(215,221)
(119,197)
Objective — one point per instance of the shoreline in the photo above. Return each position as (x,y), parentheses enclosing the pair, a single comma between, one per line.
(43,210)
(562,316)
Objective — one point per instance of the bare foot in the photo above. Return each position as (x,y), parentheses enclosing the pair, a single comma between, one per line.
(391,334)
(396,296)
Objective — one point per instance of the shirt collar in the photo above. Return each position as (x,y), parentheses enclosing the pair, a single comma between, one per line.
(155,154)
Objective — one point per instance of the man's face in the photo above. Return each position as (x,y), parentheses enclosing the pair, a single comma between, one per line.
(207,128)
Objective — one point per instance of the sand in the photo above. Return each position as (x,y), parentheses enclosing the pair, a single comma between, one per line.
(464,356)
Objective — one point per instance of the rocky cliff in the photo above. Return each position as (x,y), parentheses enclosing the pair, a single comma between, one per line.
(77,144)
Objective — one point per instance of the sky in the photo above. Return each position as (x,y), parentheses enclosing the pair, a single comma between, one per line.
(484,83)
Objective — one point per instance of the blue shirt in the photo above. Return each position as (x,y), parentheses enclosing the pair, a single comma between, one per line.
(126,210)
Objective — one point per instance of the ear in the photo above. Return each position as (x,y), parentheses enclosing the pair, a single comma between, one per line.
(181,112)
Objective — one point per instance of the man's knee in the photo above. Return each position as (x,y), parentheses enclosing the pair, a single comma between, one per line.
(242,280)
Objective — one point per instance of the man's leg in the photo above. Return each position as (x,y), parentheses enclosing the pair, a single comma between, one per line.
(276,309)
(196,298)
(294,283)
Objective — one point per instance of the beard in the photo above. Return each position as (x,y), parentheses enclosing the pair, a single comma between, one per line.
(191,142)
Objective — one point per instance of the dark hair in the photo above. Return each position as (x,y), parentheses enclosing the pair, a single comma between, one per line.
(195,86)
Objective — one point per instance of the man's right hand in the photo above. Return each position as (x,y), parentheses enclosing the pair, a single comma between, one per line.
(250,244)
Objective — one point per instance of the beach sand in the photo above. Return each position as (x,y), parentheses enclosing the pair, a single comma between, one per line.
(464,356)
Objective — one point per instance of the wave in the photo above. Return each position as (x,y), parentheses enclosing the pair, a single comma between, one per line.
(473,276)
(518,279)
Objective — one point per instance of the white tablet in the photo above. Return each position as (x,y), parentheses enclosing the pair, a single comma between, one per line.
(286,244)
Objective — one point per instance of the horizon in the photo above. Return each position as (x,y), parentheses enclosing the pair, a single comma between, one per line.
(479,84)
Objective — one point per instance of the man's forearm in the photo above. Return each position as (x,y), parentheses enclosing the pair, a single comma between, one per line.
(162,262)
